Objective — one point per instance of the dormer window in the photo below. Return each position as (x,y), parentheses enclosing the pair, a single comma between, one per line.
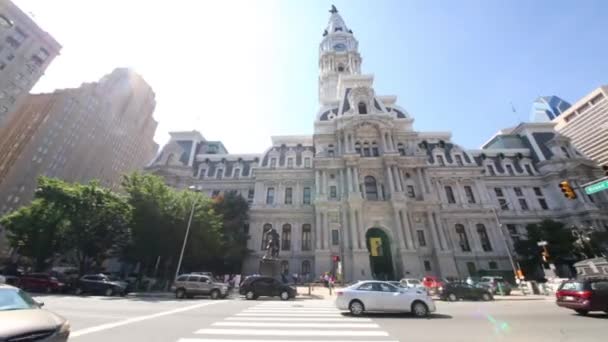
(338,29)
(273,162)
(566,153)
(362,108)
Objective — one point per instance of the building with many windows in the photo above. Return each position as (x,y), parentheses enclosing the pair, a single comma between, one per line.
(547,108)
(25,53)
(586,124)
(370,196)
(100,130)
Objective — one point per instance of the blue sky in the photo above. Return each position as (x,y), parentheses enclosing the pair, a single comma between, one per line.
(240,71)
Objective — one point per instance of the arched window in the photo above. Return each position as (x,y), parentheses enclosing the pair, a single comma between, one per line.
(375,151)
(265,235)
(358,148)
(284,267)
(484,238)
(401,149)
(286,237)
(306,237)
(305,268)
(463,240)
(371,189)
(366,150)
(362,108)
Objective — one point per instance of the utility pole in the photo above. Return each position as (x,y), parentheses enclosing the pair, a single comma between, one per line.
(181,254)
(504,240)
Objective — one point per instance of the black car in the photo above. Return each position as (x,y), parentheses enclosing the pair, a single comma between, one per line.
(100,284)
(256,286)
(455,291)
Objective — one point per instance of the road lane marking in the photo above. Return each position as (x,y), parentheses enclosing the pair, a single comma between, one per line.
(290,311)
(276,332)
(299,319)
(107,326)
(337,314)
(295,325)
(240,340)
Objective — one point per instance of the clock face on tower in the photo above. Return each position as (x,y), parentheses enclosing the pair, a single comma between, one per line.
(339,47)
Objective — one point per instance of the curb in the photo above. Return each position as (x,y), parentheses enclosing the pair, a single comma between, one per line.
(151,294)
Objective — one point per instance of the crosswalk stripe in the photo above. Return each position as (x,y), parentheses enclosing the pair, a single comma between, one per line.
(240,340)
(295,325)
(266,314)
(290,311)
(299,319)
(277,332)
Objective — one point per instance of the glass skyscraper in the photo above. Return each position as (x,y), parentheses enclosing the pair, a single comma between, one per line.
(547,108)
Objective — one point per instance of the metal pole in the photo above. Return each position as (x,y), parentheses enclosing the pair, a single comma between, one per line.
(504,240)
(181,254)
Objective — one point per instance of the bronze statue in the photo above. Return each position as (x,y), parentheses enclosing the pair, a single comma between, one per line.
(272,248)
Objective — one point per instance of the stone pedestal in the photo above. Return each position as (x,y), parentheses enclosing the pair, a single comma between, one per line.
(270,268)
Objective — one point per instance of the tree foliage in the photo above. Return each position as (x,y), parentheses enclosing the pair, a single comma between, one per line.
(235,214)
(559,242)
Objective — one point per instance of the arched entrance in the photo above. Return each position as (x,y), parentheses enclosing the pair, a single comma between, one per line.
(380,258)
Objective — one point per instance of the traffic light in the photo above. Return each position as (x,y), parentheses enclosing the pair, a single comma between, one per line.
(336,258)
(545,255)
(567,190)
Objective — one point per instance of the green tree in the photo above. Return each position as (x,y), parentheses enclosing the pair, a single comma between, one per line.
(235,214)
(37,231)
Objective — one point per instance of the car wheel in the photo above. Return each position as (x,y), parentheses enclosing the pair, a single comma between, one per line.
(486,297)
(78,291)
(284,295)
(419,309)
(452,297)
(356,308)
(250,295)
(180,293)
(582,312)
(215,294)
(108,292)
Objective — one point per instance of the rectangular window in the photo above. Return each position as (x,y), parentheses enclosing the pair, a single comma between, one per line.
(493,265)
(250,194)
(440,160)
(518,192)
(333,192)
(219,174)
(306,237)
(537,191)
(512,229)
(366,152)
(523,204)
(449,193)
(503,204)
(375,151)
(237,173)
(335,237)
(270,196)
(458,160)
(286,238)
(202,173)
(288,195)
(528,169)
(306,199)
(484,238)
(290,163)
(498,192)
(410,191)
(543,204)
(463,239)
(469,192)
(421,238)
(427,265)
(307,162)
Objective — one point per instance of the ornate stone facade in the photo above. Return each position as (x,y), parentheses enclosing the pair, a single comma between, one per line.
(384,199)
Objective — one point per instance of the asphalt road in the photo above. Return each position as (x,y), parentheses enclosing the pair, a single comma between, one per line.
(96,319)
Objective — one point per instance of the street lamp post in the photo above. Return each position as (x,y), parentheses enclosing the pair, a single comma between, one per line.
(181,254)
(504,240)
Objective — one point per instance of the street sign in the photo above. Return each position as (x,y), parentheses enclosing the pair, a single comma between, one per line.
(597,187)
(541,243)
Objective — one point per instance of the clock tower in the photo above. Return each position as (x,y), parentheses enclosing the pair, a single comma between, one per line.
(338,55)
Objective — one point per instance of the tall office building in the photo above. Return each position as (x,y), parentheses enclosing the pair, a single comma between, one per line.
(586,124)
(371,196)
(100,130)
(25,53)
(547,108)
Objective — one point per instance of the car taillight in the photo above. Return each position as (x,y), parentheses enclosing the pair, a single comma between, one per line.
(584,294)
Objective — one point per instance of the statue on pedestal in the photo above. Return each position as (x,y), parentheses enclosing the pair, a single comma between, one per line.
(272,248)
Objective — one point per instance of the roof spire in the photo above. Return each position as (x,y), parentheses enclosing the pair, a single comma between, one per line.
(333,10)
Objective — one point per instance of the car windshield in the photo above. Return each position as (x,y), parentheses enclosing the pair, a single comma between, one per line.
(15,299)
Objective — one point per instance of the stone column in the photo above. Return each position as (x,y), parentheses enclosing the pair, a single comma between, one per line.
(403,217)
(318,229)
(401,178)
(473,236)
(384,145)
(390,179)
(356,181)
(347,233)
(339,152)
(398,178)
(355,229)
(317,182)
(361,229)
(423,187)
(431,226)
(459,190)
(349,179)
(324,181)
(399,227)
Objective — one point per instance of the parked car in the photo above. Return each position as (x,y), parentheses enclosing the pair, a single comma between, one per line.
(23,319)
(190,285)
(494,284)
(432,284)
(412,283)
(459,290)
(99,284)
(41,282)
(257,286)
(584,295)
(381,296)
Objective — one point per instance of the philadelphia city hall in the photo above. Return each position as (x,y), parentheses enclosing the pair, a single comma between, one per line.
(369,196)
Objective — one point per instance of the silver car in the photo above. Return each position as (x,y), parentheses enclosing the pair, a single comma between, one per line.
(190,285)
(380,296)
(412,282)
(22,319)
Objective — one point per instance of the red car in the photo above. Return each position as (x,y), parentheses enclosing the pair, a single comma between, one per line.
(40,282)
(432,284)
(583,296)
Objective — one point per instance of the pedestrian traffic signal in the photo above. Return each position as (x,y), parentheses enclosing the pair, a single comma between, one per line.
(567,190)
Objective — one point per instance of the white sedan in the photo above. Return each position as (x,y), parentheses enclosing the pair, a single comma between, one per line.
(380,296)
